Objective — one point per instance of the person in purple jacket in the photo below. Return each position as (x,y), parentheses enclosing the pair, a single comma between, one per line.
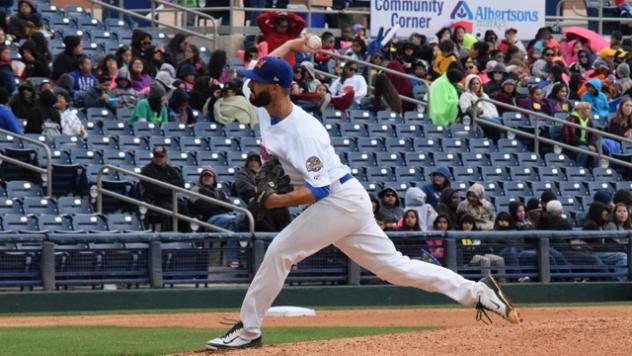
(140,80)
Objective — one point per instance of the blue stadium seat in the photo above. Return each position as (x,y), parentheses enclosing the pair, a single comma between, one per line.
(361,116)
(410,174)
(117,158)
(114,24)
(91,174)
(551,173)
(476,159)
(502,202)
(594,187)
(481,145)
(578,174)
(623,185)
(502,159)
(55,223)
(99,114)
(493,189)
(84,24)
(606,174)
(510,146)
(344,144)
(10,206)
(85,156)
(208,158)
(558,160)
(438,131)
(353,130)
(20,188)
(100,35)
(191,173)
(393,158)
(59,156)
(333,114)
(39,205)
(517,188)
(89,223)
(68,179)
(382,174)
(394,144)
(182,159)
(250,144)
(495,174)
(224,173)
(19,223)
(411,116)
(98,143)
(360,174)
(224,144)
(70,142)
(463,131)
(124,223)
(389,116)
(371,144)
(454,145)
(530,159)
(236,129)
(176,129)
(124,114)
(383,129)
(525,174)
(571,204)
(9,141)
(514,119)
(73,205)
(360,159)
(333,129)
(141,158)
(447,159)
(539,187)
(194,144)
(408,130)
(427,144)
(112,128)
(414,159)
(470,174)
(170,143)
(573,188)
(144,128)
(460,185)
(10,172)
(132,143)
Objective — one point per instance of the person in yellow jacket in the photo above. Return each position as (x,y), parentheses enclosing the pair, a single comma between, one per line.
(443,59)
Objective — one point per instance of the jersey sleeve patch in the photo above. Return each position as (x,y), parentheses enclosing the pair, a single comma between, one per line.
(313,164)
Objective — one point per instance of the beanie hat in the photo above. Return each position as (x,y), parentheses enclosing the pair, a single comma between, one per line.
(156,91)
(165,78)
(499,68)
(123,74)
(603,196)
(178,98)
(509,81)
(622,196)
(623,71)
(187,69)
(48,98)
(168,68)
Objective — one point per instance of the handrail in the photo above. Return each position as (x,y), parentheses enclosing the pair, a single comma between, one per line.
(194,11)
(49,162)
(536,135)
(153,20)
(175,189)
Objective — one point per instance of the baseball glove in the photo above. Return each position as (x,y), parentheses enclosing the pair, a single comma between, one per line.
(271,179)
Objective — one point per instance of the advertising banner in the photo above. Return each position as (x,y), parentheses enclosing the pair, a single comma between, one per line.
(429,16)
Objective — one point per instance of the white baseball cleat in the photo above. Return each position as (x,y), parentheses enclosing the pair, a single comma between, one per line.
(233,340)
(493,299)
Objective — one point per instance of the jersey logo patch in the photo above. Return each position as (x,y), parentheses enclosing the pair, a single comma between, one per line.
(260,63)
(313,164)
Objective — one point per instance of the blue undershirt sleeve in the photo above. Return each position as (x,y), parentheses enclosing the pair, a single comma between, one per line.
(320,192)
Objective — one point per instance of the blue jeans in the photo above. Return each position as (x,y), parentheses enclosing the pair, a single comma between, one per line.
(582,159)
(227,221)
(619,260)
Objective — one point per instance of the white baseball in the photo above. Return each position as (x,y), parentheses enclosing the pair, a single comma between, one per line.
(314,42)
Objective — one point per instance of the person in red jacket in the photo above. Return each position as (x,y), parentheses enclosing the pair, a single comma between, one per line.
(280,27)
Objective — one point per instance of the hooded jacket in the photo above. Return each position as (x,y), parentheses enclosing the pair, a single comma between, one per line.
(22,108)
(469,98)
(573,136)
(599,102)
(137,48)
(444,101)
(44,111)
(593,218)
(446,208)
(391,214)
(433,192)
(623,83)
(416,200)
(203,208)
(374,199)
(244,184)
(234,108)
(18,24)
(66,61)
(39,66)
(155,194)
(485,215)
(127,97)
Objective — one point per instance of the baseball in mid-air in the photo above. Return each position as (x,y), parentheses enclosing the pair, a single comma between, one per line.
(314,42)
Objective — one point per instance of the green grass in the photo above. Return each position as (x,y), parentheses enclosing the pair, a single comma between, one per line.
(109,340)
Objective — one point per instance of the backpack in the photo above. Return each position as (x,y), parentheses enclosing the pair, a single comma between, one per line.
(50,129)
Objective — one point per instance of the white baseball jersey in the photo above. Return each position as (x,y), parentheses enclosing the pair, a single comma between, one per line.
(303,147)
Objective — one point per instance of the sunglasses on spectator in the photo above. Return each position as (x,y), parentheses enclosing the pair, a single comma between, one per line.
(549,54)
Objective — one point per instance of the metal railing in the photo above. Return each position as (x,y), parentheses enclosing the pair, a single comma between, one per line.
(189,11)
(536,136)
(582,19)
(48,171)
(156,22)
(380,68)
(175,190)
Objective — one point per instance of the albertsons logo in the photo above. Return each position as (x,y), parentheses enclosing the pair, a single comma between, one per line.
(461,11)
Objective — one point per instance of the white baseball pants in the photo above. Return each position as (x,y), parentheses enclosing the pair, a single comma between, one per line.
(344,219)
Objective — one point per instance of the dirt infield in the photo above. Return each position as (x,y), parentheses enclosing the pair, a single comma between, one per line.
(545,331)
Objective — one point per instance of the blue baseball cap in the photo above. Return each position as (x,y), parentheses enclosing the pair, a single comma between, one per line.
(270,70)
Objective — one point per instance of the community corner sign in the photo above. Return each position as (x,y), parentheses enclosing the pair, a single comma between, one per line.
(429,16)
